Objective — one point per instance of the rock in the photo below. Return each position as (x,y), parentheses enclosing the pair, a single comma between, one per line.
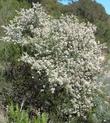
(3,118)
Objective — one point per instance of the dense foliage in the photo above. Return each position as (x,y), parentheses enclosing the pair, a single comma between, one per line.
(18,115)
(89,10)
(64,62)
(8,53)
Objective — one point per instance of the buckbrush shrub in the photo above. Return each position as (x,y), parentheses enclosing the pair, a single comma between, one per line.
(68,53)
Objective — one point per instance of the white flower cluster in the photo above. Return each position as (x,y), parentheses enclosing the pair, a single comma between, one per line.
(66,49)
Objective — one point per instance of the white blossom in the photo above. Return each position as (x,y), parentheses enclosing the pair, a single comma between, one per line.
(66,49)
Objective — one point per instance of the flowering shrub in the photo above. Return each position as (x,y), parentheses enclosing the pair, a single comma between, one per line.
(66,50)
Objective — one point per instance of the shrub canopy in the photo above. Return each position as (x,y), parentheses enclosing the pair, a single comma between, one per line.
(65,51)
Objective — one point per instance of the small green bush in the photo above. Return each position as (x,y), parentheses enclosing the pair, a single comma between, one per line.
(17,115)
